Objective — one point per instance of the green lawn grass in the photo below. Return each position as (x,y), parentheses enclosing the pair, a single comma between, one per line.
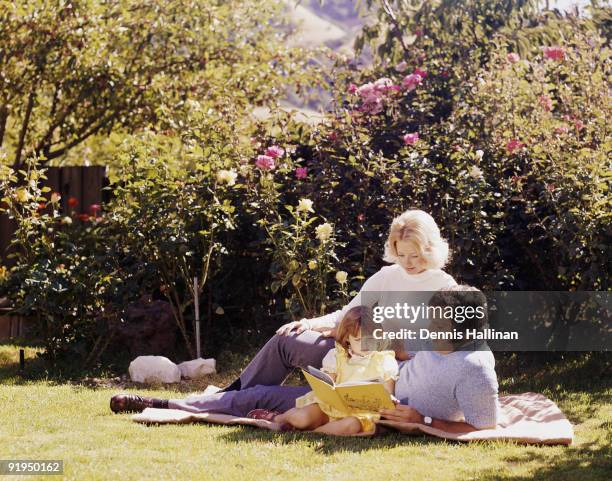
(47,419)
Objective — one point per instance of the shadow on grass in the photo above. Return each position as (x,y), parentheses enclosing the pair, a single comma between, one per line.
(323,444)
(586,462)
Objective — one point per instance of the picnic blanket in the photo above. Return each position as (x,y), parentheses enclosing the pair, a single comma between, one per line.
(527,418)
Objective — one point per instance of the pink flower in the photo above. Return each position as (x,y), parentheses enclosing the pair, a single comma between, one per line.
(352,88)
(361,217)
(402,66)
(94,209)
(274,151)
(301,172)
(411,139)
(513,145)
(562,129)
(385,85)
(411,81)
(513,57)
(372,105)
(366,90)
(420,72)
(545,102)
(418,32)
(264,162)
(554,53)
(382,84)
(579,124)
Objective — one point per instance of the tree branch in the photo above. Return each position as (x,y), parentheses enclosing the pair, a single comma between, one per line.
(24,127)
(3,120)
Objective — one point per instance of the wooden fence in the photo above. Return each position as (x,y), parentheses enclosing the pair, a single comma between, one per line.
(85,184)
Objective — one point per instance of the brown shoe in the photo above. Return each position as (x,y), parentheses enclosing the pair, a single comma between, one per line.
(126,403)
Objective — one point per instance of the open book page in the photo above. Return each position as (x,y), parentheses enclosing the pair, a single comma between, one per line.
(323,376)
(366,397)
(325,392)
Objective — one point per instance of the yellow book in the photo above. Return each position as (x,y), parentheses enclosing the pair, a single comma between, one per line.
(361,395)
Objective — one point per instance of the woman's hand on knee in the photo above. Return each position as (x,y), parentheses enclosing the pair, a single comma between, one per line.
(296,327)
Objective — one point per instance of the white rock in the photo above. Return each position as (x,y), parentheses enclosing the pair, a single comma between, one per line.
(154,369)
(197,368)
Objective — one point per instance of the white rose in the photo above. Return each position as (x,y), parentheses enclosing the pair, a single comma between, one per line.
(475,172)
(305,205)
(341,277)
(324,232)
(227,177)
(479,154)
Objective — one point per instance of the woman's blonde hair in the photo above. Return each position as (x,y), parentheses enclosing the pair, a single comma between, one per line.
(419,228)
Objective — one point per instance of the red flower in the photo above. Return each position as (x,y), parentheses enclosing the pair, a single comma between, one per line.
(41,206)
(84,217)
(420,72)
(554,53)
(73,202)
(513,145)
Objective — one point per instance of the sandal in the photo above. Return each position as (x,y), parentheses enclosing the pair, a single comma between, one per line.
(125,403)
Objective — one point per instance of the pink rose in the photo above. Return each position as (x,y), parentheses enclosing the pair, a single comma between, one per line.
(419,72)
(579,124)
(274,151)
(402,66)
(352,88)
(545,102)
(366,90)
(372,105)
(513,57)
(94,209)
(301,172)
(554,53)
(411,139)
(513,145)
(385,85)
(411,81)
(264,162)
(562,129)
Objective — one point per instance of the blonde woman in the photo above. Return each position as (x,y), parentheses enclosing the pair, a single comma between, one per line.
(418,254)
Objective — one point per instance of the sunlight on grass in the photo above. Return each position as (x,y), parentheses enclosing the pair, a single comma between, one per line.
(73,422)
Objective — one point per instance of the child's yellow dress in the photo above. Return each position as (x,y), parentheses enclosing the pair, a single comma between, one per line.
(379,365)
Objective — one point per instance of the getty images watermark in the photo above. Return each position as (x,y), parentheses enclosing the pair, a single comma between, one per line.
(496,320)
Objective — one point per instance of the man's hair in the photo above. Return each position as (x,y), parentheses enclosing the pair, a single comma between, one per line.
(463,296)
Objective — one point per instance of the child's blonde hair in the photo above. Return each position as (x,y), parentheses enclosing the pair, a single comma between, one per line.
(419,228)
(350,325)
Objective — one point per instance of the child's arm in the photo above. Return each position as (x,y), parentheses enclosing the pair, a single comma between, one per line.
(390,386)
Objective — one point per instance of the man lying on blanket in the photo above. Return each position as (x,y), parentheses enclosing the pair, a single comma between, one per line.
(450,388)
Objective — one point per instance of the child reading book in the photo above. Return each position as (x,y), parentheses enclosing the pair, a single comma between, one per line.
(345,364)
